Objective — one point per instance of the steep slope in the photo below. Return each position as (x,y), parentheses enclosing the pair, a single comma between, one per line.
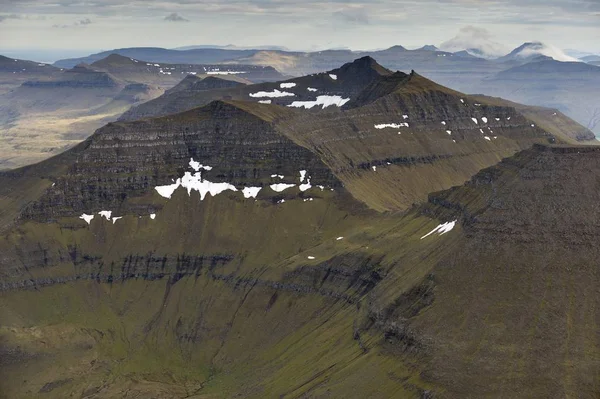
(514,312)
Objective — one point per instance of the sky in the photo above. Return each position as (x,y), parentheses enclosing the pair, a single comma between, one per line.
(53,27)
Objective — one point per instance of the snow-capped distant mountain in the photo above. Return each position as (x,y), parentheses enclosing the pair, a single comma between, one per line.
(537,49)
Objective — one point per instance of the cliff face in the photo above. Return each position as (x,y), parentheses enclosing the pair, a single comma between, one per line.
(123,161)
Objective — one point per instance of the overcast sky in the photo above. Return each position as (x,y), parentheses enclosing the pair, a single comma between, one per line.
(91,25)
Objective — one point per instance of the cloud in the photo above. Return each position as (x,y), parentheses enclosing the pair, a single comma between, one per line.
(174,17)
(355,15)
(83,22)
(9,16)
(477,41)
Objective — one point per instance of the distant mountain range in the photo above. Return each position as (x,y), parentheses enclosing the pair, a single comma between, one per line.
(45,109)
(464,70)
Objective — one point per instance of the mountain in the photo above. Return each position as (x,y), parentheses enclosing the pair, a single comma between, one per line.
(49,113)
(464,70)
(253,250)
(230,47)
(590,58)
(50,109)
(536,51)
(429,47)
(131,266)
(168,75)
(566,86)
(549,67)
(13,72)
(161,55)
(334,87)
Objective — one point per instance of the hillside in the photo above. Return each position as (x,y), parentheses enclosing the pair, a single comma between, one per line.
(252,250)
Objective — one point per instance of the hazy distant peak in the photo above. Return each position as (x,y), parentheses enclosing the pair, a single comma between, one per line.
(429,47)
(535,49)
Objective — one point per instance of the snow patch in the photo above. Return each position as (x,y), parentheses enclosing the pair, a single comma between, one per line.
(404,116)
(311,89)
(374,168)
(302,175)
(287,85)
(306,186)
(392,125)
(339,238)
(116,218)
(279,187)
(105,214)
(332,76)
(86,217)
(325,101)
(484,119)
(311,257)
(272,94)
(278,176)
(194,182)
(251,192)
(449,131)
(441,229)
(224,72)
(487,138)
(475,120)
(197,165)
(153,216)
(264,101)
(444,123)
